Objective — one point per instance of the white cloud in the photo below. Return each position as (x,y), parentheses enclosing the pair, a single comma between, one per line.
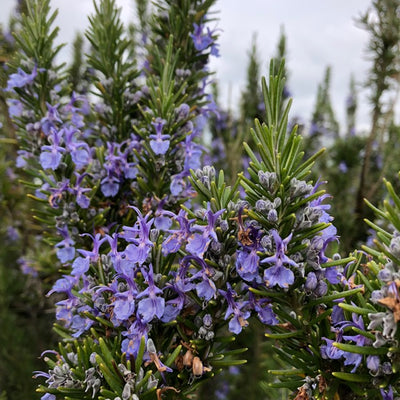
(319,33)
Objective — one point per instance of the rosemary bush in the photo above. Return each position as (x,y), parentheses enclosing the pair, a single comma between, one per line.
(160,262)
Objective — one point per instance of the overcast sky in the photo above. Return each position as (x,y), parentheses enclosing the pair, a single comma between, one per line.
(319,33)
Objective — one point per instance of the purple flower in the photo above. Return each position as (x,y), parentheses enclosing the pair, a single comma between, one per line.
(159,143)
(177,184)
(337,315)
(81,324)
(278,274)
(64,285)
(247,264)
(65,310)
(311,281)
(333,275)
(27,267)
(343,167)
(161,222)
(178,236)
(21,79)
(183,111)
(130,170)
(80,151)
(360,340)
(203,40)
(83,108)
(93,255)
(124,306)
(48,396)
(110,186)
(152,305)
(387,395)
(50,159)
(116,166)
(240,317)
(114,254)
(12,234)
(82,200)
(330,351)
(136,331)
(172,308)
(66,252)
(193,152)
(180,285)
(206,288)
(329,233)
(51,120)
(198,243)
(266,315)
(23,155)
(42,374)
(57,192)
(263,310)
(211,106)
(15,108)
(51,155)
(80,266)
(352,359)
(140,247)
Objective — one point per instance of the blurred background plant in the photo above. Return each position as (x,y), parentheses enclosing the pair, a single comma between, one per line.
(356,161)
(26,271)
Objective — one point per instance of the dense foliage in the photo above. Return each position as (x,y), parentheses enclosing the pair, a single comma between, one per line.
(158,263)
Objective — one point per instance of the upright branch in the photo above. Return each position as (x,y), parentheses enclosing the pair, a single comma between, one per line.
(251,100)
(351,109)
(76,70)
(324,126)
(382,21)
(281,56)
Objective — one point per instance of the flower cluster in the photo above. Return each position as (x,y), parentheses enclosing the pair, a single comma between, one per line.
(278,269)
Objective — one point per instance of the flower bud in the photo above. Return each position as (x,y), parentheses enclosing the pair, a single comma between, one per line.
(267,179)
(272,216)
(311,281)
